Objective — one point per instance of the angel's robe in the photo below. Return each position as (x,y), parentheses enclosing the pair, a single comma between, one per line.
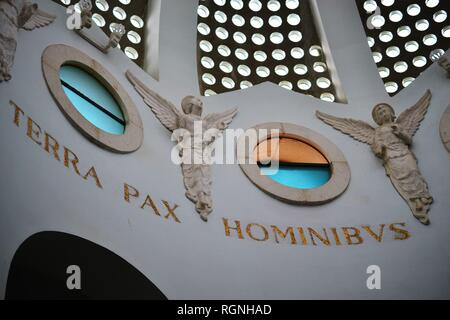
(400,164)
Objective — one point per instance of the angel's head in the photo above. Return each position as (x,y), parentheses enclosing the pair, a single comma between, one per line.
(192,105)
(383,113)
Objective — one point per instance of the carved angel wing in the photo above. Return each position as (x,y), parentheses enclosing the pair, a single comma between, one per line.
(220,120)
(39,18)
(165,111)
(411,118)
(357,129)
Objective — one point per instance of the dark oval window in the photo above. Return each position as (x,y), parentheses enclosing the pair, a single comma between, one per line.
(301,165)
(92,100)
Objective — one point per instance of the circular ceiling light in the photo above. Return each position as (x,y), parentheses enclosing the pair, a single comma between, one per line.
(370,6)
(391,87)
(278,54)
(395,16)
(429,40)
(387,3)
(304,84)
(386,36)
(137,21)
(207,62)
(209,79)
(276,38)
(377,57)
(275,21)
(422,25)
(131,53)
(223,50)
(99,20)
(377,21)
(244,70)
(315,51)
(407,81)
(281,70)
(292,4)
(411,46)
(440,16)
(221,33)
(384,72)
(203,28)
(319,67)
(400,66)
(256,22)
(239,37)
(237,4)
(102,5)
(246,84)
(260,56)
(203,11)
(323,83)
(228,83)
(413,10)
(297,53)
(393,52)
(273,5)
(119,13)
(220,17)
(295,36)
(209,92)
(293,19)
(220,3)
(404,31)
(134,37)
(241,54)
(205,46)
(419,61)
(328,97)
(300,69)
(255,5)
(263,72)
(286,85)
(238,20)
(431,3)
(226,67)
(258,39)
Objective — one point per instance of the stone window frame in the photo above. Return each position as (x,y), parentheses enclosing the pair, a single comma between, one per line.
(53,57)
(340,170)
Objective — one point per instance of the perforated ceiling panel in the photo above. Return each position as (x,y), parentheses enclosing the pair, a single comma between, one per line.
(243,43)
(130,13)
(402,34)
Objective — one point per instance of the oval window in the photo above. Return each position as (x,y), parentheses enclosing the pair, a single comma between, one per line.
(301,166)
(92,100)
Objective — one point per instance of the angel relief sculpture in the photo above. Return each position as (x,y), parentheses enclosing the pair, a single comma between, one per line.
(195,134)
(15,15)
(391,142)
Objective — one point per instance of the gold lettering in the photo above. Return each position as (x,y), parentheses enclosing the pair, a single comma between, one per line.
(349,236)
(336,236)
(249,231)
(302,236)
(17,113)
(126,192)
(237,228)
(149,202)
(92,173)
(379,236)
(33,131)
(170,211)
(401,234)
(54,145)
(313,233)
(277,231)
(67,160)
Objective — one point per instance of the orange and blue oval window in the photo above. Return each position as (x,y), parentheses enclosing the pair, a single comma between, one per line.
(300,165)
(92,100)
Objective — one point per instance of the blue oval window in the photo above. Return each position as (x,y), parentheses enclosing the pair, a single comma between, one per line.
(301,166)
(92,99)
